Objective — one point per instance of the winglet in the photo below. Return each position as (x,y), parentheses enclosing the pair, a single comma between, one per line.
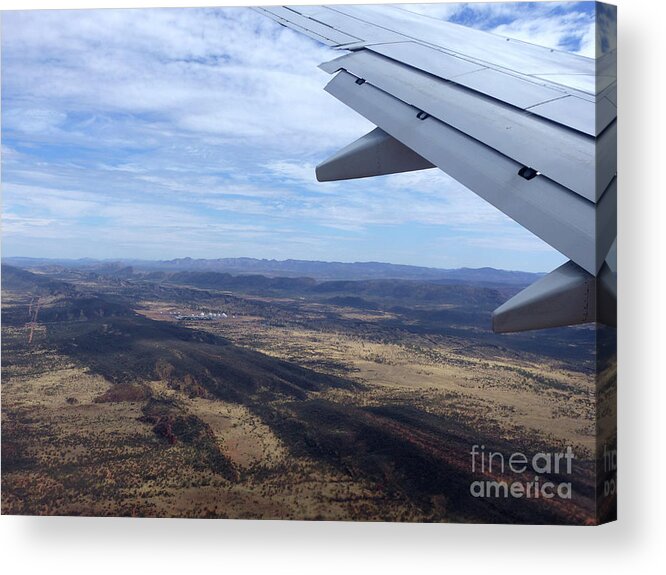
(374,154)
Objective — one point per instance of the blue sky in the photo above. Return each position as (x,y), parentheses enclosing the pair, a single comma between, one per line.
(165,133)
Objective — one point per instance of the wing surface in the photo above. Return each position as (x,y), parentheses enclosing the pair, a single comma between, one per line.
(530,129)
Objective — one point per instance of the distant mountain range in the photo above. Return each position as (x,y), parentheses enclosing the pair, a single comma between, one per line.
(290,268)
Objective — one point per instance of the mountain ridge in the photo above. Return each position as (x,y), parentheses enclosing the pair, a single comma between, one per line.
(320,270)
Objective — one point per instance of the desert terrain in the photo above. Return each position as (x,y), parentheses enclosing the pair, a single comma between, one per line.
(207,394)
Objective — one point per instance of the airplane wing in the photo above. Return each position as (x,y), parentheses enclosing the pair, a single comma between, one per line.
(530,129)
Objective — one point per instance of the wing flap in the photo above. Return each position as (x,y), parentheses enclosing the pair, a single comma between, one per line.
(572,108)
(518,91)
(426,58)
(557,215)
(606,158)
(589,117)
(565,156)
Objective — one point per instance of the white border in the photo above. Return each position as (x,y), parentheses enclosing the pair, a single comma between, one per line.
(76,545)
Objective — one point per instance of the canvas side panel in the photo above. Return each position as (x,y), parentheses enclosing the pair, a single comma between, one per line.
(606,342)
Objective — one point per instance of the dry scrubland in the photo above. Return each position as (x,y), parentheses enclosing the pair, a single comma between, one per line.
(71,454)
(287,408)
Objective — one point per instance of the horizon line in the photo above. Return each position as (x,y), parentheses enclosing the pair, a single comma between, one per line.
(128,259)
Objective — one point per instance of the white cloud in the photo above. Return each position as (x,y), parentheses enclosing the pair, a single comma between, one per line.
(190,132)
(303,173)
(552,32)
(33,120)
(230,73)
(550,24)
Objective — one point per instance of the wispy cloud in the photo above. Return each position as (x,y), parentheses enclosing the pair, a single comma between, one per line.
(566,26)
(166,133)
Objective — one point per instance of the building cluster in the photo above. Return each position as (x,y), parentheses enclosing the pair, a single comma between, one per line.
(202,316)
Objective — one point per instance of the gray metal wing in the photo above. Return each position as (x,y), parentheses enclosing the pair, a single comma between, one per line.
(530,129)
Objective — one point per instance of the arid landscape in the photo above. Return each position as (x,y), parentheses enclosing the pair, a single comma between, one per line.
(344,394)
